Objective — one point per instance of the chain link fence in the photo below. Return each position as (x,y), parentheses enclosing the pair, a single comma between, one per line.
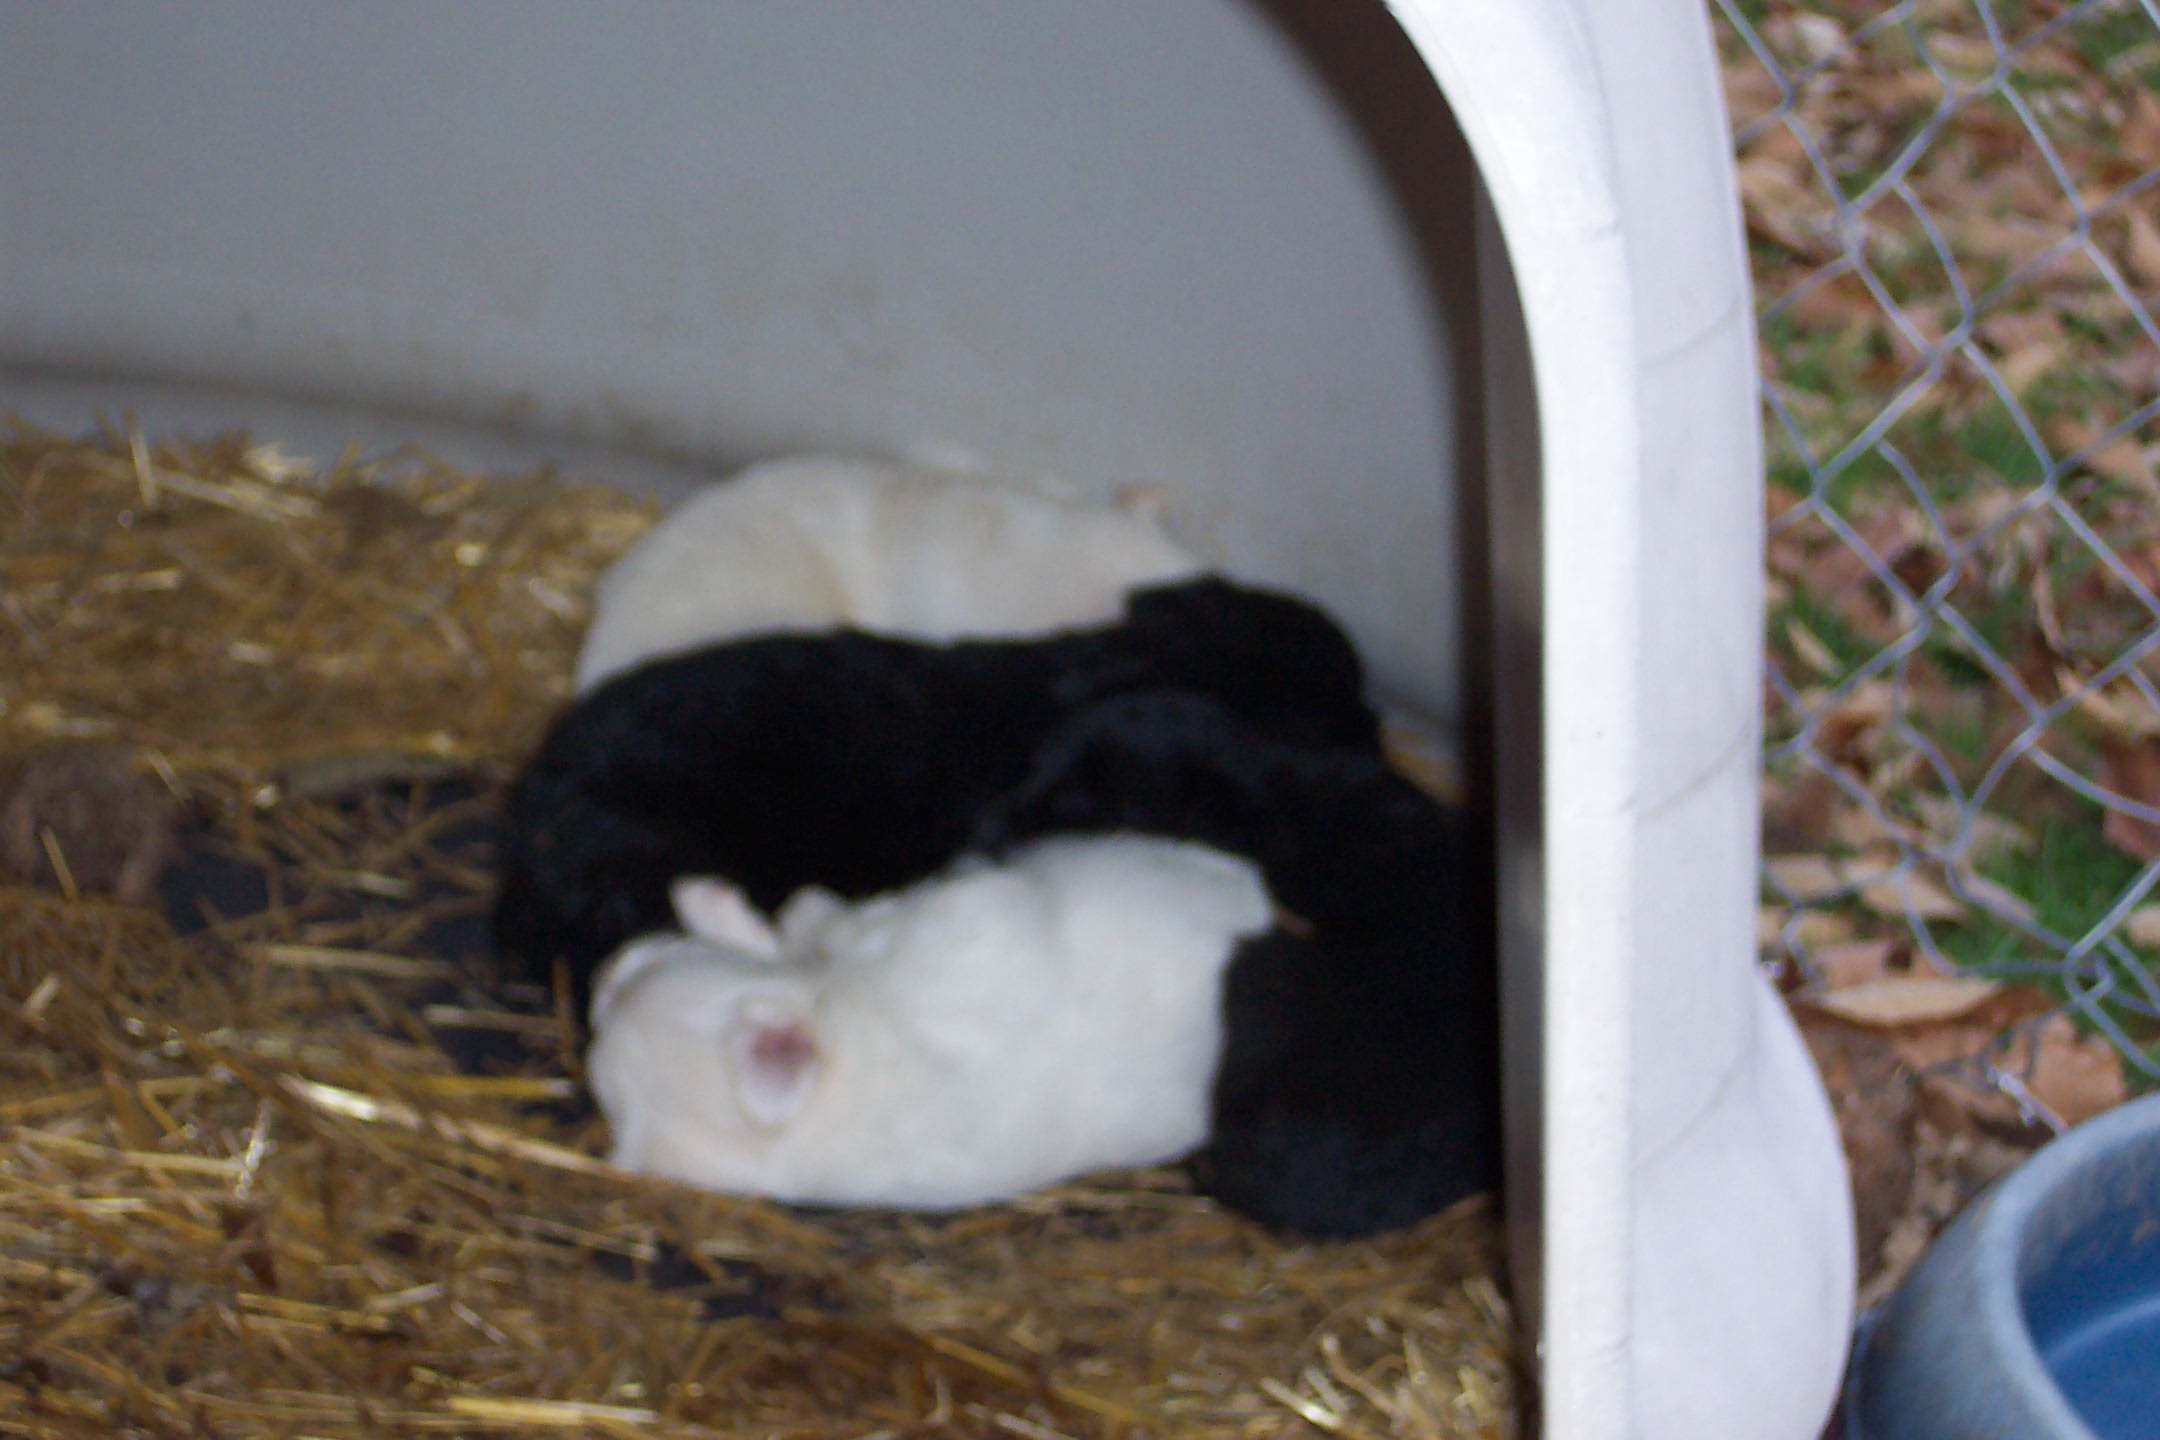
(1954,219)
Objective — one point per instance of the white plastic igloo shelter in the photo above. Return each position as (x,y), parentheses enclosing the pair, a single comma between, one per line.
(1436,311)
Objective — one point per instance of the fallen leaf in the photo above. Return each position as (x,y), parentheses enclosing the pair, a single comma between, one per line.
(2124,461)
(1859,962)
(1812,931)
(1967,56)
(2118,709)
(1928,1046)
(2133,772)
(1841,728)
(1818,928)
(1820,36)
(1806,877)
(1908,894)
(2121,459)
(2021,367)
(1991,837)
(1858,827)
(2141,134)
(2076,1076)
(2141,249)
(1907,1240)
(1776,203)
(2014,330)
(1985,238)
(1812,651)
(1881,886)
(1917,1000)
(1924,1046)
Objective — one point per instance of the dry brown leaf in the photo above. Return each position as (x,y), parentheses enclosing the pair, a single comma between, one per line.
(1958,1041)
(2021,367)
(1881,886)
(2076,1076)
(1806,877)
(2140,133)
(1819,36)
(2133,772)
(1970,57)
(1813,930)
(2141,249)
(2124,461)
(1858,827)
(1985,238)
(1867,706)
(2118,709)
(1776,205)
(1913,1000)
(2121,459)
(1926,1046)
(1840,303)
(1990,837)
(1812,651)
(1909,893)
(1821,927)
(1860,962)
(2012,330)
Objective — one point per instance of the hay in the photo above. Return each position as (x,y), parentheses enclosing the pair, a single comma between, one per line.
(241,615)
(246,1190)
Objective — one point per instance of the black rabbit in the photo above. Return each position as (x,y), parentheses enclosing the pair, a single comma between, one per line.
(861,763)
(1359,1082)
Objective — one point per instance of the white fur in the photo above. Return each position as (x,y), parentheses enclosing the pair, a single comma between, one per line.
(980,1033)
(713,909)
(811,544)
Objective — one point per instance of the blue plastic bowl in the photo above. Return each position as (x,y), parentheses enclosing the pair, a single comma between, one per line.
(2037,1313)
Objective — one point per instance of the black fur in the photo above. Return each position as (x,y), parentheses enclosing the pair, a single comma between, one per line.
(860,763)
(1359,1084)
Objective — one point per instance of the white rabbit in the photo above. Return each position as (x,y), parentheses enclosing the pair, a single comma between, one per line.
(812,544)
(972,1036)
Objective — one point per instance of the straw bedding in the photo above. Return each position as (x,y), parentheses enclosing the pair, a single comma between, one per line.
(294,1161)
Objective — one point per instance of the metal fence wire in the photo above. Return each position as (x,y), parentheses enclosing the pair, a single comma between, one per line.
(1953,210)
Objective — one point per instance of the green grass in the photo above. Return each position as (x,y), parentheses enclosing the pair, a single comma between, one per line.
(1839,372)
(1994,440)
(2002,620)
(1960,736)
(2071,876)
(2107,36)
(1851,648)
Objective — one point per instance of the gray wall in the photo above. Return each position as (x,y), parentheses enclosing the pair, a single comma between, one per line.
(1197,245)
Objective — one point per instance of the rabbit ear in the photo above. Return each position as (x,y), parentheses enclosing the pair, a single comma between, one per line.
(712,909)
(773,1054)
(808,911)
